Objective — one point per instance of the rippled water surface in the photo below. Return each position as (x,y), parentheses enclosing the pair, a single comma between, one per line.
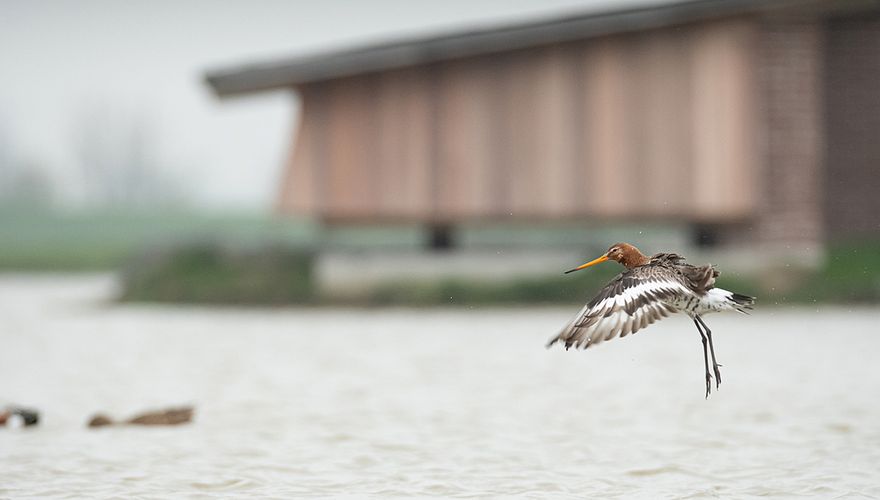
(409,403)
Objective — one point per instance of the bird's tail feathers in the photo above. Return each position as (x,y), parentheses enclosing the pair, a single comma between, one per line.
(742,303)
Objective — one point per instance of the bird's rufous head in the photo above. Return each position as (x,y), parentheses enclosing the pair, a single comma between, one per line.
(623,253)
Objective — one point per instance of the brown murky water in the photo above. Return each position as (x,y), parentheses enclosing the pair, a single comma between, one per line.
(412,403)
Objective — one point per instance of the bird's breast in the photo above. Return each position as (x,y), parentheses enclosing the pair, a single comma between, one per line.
(690,304)
(699,304)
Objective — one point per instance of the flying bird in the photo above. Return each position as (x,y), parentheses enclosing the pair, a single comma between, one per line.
(650,289)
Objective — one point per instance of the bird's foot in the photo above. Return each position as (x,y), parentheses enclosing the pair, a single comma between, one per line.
(717,375)
(708,384)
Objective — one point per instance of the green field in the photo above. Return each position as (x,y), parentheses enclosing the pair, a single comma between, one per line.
(283,275)
(49,241)
(45,241)
(849,275)
(264,260)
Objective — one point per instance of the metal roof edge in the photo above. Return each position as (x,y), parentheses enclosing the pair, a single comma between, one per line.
(299,70)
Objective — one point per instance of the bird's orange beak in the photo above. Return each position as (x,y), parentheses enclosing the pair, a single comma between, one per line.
(588,264)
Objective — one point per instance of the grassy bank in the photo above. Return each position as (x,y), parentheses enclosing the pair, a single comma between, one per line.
(261,260)
(282,275)
(850,274)
(209,273)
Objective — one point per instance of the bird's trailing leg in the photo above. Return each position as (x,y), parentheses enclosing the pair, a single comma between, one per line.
(705,358)
(715,364)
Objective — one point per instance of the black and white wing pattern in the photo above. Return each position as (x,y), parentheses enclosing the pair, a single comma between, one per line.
(632,301)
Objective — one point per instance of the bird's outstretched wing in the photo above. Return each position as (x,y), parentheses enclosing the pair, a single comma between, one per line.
(632,301)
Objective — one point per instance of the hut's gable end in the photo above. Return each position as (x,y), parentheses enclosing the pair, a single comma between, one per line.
(654,123)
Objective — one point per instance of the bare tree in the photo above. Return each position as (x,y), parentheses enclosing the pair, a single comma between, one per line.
(22,184)
(6,162)
(118,160)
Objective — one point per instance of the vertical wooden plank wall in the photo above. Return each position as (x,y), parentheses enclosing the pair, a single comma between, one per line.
(404,149)
(650,124)
(538,133)
(301,187)
(467,120)
(723,142)
(666,130)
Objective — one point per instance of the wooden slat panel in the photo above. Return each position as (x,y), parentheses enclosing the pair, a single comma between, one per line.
(465,183)
(299,184)
(722,122)
(658,123)
(607,155)
(745,145)
(540,133)
(664,139)
(404,162)
(350,170)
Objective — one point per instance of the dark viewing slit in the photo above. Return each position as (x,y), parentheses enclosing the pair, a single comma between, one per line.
(705,235)
(440,237)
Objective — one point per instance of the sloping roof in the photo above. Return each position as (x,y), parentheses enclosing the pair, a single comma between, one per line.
(401,53)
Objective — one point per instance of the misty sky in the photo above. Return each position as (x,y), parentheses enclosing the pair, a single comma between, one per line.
(105,65)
